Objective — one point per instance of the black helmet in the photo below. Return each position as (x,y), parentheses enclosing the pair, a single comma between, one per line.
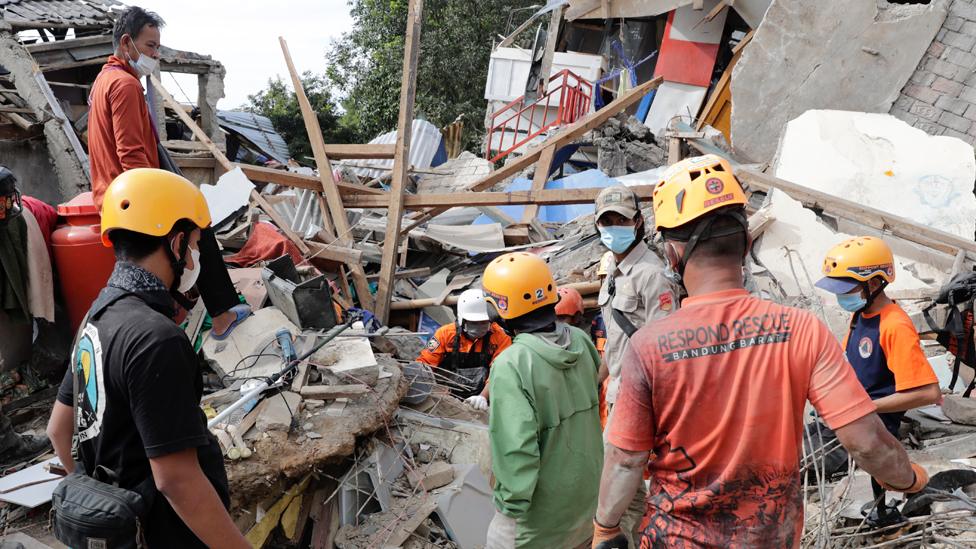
(10,206)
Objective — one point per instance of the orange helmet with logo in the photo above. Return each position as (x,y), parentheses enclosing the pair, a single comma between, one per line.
(854,261)
(518,283)
(692,188)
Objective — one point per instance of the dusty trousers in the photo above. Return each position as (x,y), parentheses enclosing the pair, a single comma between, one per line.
(503,531)
(215,286)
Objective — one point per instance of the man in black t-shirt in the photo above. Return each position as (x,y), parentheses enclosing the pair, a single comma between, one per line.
(137,407)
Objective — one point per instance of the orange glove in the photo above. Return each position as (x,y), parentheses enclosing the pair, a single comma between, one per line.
(608,538)
(921,479)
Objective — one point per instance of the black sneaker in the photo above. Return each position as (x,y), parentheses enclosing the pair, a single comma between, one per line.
(25,448)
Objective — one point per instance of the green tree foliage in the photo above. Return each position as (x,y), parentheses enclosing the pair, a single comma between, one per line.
(455,45)
(279,103)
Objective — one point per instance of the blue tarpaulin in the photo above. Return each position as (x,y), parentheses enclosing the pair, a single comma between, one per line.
(556,214)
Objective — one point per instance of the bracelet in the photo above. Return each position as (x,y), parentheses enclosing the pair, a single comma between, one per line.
(597,523)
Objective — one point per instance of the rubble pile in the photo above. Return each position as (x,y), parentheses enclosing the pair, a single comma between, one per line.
(358,256)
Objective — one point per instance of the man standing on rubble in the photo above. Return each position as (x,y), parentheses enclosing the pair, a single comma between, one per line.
(544,424)
(465,350)
(122,136)
(717,391)
(138,379)
(635,292)
(882,345)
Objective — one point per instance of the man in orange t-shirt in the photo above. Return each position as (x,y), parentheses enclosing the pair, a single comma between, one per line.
(716,391)
(122,136)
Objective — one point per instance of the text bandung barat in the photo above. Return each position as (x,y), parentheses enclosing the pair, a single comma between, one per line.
(724,337)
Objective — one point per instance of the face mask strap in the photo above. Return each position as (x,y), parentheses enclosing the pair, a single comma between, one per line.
(179,266)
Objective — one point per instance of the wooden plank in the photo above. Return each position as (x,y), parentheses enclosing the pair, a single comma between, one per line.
(552,36)
(227,164)
(566,136)
(866,215)
(72,43)
(332,198)
(539,180)
(331,392)
(369,151)
(409,273)
(195,162)
(301,377)
(262,174)
(401,162)
(450,200)
(507,41)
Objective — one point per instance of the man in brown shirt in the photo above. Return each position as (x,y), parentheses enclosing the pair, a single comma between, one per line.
(122,136)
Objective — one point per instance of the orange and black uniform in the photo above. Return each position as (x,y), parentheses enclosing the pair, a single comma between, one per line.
(450,349)
(885,352)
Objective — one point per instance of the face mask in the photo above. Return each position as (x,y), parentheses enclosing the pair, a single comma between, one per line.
(476,331)
(189,277)
(617,238)
(851,303)
(145,65)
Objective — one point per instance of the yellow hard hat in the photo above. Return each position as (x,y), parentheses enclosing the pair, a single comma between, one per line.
(151,201)
(604,267)
(518,283)
(694,187)
(856,260)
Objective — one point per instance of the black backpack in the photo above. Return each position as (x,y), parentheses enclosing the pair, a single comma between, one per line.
(956,335)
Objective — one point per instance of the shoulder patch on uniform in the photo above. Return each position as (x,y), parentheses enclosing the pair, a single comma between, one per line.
(666,301)
(433,344)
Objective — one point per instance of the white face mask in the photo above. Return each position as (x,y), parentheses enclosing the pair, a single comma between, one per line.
(145,65)
(190,276)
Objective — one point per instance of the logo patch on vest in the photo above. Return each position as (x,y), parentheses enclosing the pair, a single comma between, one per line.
(666,301)
(865,347)
(433,344)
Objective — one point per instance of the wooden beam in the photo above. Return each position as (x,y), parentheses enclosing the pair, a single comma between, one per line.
(547,197)
(72,43)
(539,182)
(552,36)
(333,201)
(289,179)
(205,162)
(866,215)
(222,159)
(409,273)
(401,162)
(355,152)
(566,136)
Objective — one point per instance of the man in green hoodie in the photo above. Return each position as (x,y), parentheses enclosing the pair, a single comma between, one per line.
(544,423)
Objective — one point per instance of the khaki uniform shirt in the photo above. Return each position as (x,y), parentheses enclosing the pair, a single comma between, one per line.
(642,293)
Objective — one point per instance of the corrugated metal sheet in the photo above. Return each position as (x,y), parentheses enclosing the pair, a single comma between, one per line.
(425,143)
(257,130)
(75,13)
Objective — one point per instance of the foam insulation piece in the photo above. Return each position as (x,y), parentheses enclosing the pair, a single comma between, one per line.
(879,160)
(793,249)
(830,54)
(673,99)
(229,196)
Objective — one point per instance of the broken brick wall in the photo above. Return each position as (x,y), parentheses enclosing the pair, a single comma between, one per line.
(940,97)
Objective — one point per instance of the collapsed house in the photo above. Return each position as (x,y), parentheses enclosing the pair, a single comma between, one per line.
(869,132)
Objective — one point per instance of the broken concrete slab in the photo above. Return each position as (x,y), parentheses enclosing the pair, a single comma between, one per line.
(465,507)
(832,54)
(466,441)
(278,412)
(960,409)
(249,350)
(792,249)
(880,160)
(431,476)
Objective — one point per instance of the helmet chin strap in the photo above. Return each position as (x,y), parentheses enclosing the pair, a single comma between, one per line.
(178,265)
(703,232)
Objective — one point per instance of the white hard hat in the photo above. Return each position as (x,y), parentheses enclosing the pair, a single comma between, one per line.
(472,306)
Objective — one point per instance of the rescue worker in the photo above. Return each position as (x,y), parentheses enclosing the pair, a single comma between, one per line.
(139,383)
(465,350)
(717,391)
(882,345)
(569,308)
(635,292)
(543,425)
(122,136)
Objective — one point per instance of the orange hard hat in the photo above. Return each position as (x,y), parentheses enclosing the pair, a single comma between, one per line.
(570,302)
